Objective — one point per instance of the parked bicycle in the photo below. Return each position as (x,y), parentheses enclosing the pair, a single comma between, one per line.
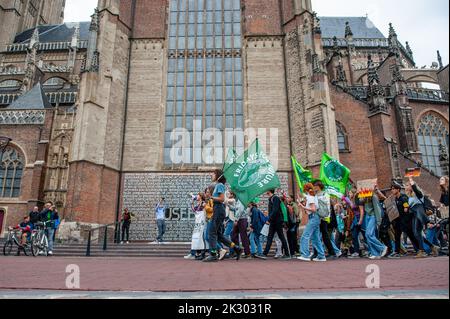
(39,240)
(12,240)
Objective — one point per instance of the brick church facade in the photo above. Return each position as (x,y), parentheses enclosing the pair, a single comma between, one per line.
(91,107)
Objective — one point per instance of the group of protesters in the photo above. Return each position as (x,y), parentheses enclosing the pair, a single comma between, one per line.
(358,225)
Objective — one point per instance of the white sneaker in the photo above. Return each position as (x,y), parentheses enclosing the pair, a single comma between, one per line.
(121,242)
(128,242)
(375,257)
(41,253)
(385,251)
(50,253)
(304,259)
(321,260)
(339,254)
(189,257)
(222,254)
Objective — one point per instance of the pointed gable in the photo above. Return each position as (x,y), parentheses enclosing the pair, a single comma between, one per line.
(35,99)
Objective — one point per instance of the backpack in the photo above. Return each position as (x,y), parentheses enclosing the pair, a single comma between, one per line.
(324,209)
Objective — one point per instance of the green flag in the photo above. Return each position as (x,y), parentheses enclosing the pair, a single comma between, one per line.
(251,174)
(230,160)
(303,176)
(334,175)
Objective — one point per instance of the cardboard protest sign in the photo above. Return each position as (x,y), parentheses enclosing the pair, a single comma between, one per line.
(391,208)
(413,172)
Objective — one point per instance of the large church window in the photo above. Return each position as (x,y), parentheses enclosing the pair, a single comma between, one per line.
(204,83)
(11,172)
(432,132)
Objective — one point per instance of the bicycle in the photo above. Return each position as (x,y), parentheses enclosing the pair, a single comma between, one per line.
(12,240)
(39,240)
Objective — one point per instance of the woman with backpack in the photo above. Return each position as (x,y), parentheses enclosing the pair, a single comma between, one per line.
(312,230)
(370,207)
(416,201)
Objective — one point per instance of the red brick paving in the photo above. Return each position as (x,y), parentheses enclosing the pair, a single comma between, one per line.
(178,275)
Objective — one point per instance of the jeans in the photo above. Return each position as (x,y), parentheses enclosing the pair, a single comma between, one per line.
(216,229)
(312,234)
(401,225)
(50,232)
(420,220)
(375,247)
(240,230)
(126,230)
(329,244)
(228,229)
(161,223)
(356,230)
(255,243)
(276,228)
(207,230)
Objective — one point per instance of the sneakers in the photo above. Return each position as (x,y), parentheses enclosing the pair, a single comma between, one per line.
(222,254)
(189,257)
(210,259)
(384,253)
(260,257)
(375,257)
(286,257)
(339,254)
(121,242)
(394,256)
(320,260)
(50,253)
(435,251)
(247,257)
(354,256)
(303,259)
(278,256)
(421,254)
(128,242)
(238,251)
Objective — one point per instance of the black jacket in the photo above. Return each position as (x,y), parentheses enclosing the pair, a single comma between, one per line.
(275,213)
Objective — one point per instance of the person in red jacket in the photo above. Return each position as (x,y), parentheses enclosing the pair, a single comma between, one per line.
(26,228)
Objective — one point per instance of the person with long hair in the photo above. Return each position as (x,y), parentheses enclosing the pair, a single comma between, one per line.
(312,231)
(420,219)
(443,185)
(216,231)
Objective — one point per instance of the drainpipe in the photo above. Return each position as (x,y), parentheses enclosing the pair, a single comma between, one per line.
(124,126)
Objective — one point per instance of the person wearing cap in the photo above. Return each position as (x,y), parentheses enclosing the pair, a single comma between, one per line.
(403,224)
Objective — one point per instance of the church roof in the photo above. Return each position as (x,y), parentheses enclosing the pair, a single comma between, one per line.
(55,33)
(362,27)
(35,99)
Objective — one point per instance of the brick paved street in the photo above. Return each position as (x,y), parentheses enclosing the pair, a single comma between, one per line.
(254,276)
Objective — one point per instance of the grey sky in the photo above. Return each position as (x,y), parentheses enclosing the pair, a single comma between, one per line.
(424,23)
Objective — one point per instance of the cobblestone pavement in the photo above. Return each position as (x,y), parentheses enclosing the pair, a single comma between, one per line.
(178,278)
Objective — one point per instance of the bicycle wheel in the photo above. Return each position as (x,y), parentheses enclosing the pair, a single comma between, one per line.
(7,248)
(35,245)
(44,245)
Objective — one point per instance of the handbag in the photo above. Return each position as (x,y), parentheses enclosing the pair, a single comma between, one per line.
(265,230)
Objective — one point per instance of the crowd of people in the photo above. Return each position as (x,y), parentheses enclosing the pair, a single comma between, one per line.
(375,225)
(48,216)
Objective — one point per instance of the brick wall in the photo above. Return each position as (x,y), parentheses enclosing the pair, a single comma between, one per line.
(353,115)
(150,19)
(261,17)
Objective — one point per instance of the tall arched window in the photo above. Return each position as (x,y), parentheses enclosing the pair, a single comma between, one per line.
(11,172)
(432,131)
(342,138)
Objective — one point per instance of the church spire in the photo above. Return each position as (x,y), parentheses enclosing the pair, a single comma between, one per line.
(439,57)
(376,94)
(393,41)
(92,57)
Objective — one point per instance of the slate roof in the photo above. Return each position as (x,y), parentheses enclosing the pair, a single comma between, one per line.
(362,27)
(35,99)
(55,33)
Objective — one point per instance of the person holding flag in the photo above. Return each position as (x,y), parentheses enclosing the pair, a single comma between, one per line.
(216,231)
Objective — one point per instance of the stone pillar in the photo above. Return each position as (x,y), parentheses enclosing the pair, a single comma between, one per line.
(96,153)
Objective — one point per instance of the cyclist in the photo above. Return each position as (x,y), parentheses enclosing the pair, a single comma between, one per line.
(26,227)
